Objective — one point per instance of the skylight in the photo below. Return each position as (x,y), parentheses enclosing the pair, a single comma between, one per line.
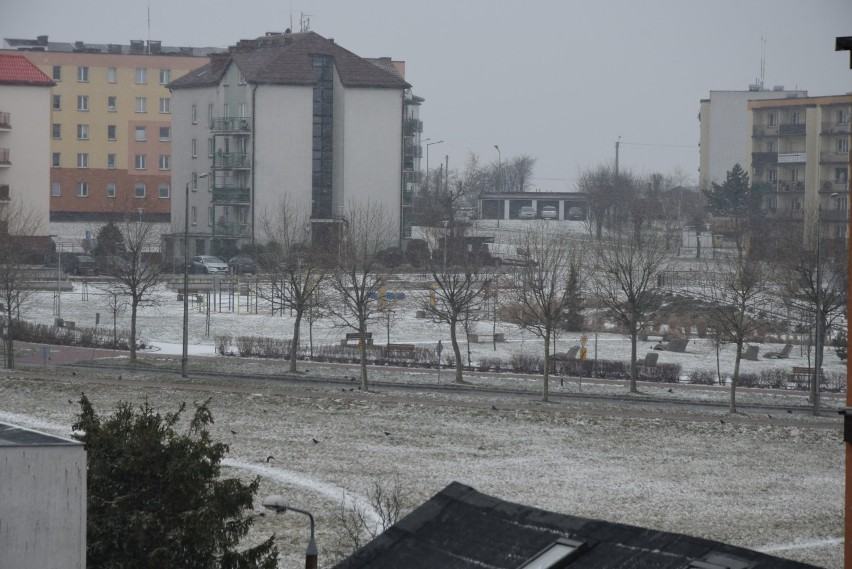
(556,555)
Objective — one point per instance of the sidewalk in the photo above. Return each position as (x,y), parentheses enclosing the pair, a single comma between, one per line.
(60,355)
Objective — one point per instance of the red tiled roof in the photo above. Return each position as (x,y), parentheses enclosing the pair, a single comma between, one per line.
(17,70)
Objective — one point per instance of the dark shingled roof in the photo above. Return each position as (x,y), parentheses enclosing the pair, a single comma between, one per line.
(12,436)
(284,59)
(460,528)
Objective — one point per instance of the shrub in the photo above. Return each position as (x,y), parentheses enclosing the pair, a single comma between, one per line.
(245,345)
(223,344)
(702,377)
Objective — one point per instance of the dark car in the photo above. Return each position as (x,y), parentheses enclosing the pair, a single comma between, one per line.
(242,265)
(208,265)
(77,264)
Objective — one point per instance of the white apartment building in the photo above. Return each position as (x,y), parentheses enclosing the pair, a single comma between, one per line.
(293,115)
(725,138)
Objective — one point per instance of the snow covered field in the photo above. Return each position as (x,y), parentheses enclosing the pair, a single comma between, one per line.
(776,485)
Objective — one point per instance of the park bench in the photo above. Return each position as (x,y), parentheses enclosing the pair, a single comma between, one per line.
(356,337)
(751,353)
(399,351)
(802,376)
(651,359)
(477,338)
(782,355)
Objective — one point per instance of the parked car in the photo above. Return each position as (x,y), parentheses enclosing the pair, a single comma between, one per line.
(242,265)
(549,212)
(78,264)
(526,212)
(503,254)
(208,265)
(576,214)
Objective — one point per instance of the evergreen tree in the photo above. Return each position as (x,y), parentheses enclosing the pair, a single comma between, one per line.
(736,200)
(155,499)
(110,240)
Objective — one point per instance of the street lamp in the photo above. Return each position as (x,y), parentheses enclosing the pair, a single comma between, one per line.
(499,179)
(818,345)
(428,144)
(185,353)
(280,505)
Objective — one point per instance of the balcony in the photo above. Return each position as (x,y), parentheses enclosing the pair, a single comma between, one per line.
(831,186)
(792,129)
(412,126)
(829,157)
(792,158)
(788,214)
(760,159)
(765,130)
(5,121)
(231,195)
(230,229)
(790,187)
(5,158)
(231,161)
(413,150)
(4,193)
(230,125)
(834,215)
(834,127)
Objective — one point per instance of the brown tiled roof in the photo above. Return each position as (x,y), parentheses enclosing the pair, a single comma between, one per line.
(17,70)
(285,59)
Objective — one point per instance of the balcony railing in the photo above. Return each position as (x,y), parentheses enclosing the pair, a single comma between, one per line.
(412,126)
(230,229)
(789,186)
(791,129)
(4,193)
(834,127)
(831,186)
(231,124)
(228,160)
(759,159)
(788,214)
(834,215)
(829,157)
(5,121)
(231,195)
(414,150)
(5,157)
(765,130)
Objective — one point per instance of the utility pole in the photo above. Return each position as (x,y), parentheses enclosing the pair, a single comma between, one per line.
(617,143)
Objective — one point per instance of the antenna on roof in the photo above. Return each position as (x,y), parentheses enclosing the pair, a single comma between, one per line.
(304,22)
(762,59)
(291,14)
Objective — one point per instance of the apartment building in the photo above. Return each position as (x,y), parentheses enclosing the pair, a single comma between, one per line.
(725,139)
(24,148)
(800,158)
(109,129)
(295,115)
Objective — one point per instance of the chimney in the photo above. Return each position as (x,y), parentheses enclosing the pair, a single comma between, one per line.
(42,40)
(218,61)
(78,46)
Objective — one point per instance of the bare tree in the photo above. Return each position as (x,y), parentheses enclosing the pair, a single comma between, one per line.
(17,250)
(359,274)
(624,281)
(545,293)
(516,173)
(138,270)
(609,197)
(458,291)
(295,270)
(741,295)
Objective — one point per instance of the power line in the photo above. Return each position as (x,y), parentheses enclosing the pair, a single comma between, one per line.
(693,146)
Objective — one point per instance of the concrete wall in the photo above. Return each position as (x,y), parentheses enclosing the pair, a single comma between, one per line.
(43,506)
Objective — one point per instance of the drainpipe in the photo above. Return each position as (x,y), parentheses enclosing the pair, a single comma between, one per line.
(253,138)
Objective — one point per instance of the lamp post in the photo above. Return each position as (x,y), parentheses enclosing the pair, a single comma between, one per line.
(818,344)
(428,144)
(185,352)
(280,505)
(499,179)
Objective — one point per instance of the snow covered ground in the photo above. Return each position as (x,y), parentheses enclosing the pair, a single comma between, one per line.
(776,486)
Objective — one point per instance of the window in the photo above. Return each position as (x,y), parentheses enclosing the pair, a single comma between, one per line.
(57,102)
(165,133)
(139,191)
(141,105)
(82,102)
(57,157)
(110,189)
(111,161)
(57,73)
(773,118)
(165,76)
(164,191)
(57,131)
(194,114)
(82,189)
(843,145)
(794,175)
(111,103)
(111,132)
(165,105)
(772,174)
(772,146)
(141,75)
(55,189)
(226,110)
(242,79)
(82,160)
(195,181)
(211,147)
(210,113)
(141,161)
(194,215)
(141,133)
(794,117)
(843,116)
(242,110)
(841,175)
(83,74)
(82,132)
(194,148)
(209,216)
(111,75)
(557,554)
(165,161)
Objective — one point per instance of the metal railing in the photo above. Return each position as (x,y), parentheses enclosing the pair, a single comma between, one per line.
(230,124)
(5,157)
(5,120)
(231,195)
(232,160)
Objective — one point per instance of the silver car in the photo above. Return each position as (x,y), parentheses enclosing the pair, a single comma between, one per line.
(208,265)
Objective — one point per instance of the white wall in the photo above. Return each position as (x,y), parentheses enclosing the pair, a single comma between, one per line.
(43,506)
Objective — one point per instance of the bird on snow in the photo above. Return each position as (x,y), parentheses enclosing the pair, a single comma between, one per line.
(722,421)
(387,433)
(671,390)
(270,457)
(493,407)
(789,411)
(315,441)
(119,377)
(233,432)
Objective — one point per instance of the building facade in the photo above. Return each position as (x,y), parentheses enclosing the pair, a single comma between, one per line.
(800,158)
(24,148)
(110,128)
(724,135)
(293,116)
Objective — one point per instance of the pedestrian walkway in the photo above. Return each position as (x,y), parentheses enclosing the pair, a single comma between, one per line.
(34,354)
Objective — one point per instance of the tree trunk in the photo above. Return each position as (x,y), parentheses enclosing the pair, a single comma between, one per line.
(634,372)
(294,344)
(133,306)
(545,387)
(457,352)
(735,378)
(9,341)
(363,345)
(697,244)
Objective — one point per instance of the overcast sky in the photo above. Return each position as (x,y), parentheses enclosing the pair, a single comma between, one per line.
(559,80)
